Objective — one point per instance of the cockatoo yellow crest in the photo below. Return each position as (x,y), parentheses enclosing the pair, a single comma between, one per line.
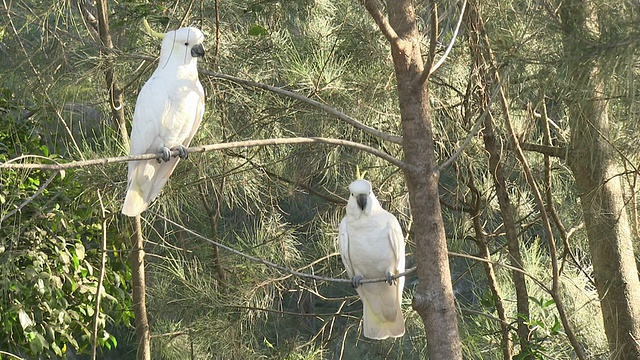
(372,246)
(168,112)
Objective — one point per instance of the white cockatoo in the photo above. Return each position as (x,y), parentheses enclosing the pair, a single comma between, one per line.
(372,246)
(167,114)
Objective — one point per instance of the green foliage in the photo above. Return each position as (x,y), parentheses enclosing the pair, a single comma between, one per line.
(280,203)
(49,260)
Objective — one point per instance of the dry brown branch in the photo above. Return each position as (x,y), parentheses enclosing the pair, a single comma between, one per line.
(546,223)
(338,114)
(383,23)
(103,263)
(205,148)
(474,130)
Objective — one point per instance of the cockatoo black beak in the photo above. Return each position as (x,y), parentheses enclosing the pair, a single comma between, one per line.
(197,51)
(361,200)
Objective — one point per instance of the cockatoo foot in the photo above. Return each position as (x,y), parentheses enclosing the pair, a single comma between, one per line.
(355,281)
(165,153)
(182,152)
(390,280)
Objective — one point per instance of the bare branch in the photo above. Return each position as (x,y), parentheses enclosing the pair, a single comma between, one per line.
(374,9)
(276,266)
(431,69)
(338,114)
(474,129)
(554,151)
(204,148)
(103,264)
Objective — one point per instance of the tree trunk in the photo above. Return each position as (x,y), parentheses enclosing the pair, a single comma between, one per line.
(115,93)
(492,279)
(593,163)
(476,29)
(433,297)
(139,289)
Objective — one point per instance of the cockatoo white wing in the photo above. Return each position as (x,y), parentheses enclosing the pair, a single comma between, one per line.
(396,240)
(199,106)
(343,242)
(168,112)
(372,246)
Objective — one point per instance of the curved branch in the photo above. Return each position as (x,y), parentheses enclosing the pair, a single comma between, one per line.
(374,10)
(276,266)
(248,83)
(204,148)
(336,113)
(431,69)
(474,129)
(329,279)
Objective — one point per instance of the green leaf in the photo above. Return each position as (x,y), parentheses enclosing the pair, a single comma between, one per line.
(257,30)
(38,343)
(548,303)
(25,319)
(80,251)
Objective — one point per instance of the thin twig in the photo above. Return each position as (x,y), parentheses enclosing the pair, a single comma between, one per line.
(30,199)
(213,147)
(329,279)
(431,69)
(103,264)
(333,111)
(276,266)
(474,129)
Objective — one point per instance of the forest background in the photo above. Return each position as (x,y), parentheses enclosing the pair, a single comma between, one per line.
(508,127)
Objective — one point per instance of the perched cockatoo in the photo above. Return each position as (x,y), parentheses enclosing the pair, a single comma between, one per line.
(372,246)
(167,114)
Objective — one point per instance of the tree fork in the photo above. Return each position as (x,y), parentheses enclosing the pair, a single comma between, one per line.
(433,298)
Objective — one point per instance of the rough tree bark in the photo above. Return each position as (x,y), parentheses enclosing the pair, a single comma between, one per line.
(592,160)
(433,297)
(139,292)
(115,93)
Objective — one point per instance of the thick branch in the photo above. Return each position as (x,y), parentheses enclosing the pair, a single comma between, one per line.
(204,148)
(374,9)
(115,93)
(548,150)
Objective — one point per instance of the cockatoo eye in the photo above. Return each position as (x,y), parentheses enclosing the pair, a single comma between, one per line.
(186,44)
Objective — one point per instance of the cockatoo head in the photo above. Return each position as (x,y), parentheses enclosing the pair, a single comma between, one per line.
(184,44)
(361,197)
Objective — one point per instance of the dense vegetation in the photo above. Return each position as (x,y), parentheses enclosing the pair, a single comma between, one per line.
(283,203)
